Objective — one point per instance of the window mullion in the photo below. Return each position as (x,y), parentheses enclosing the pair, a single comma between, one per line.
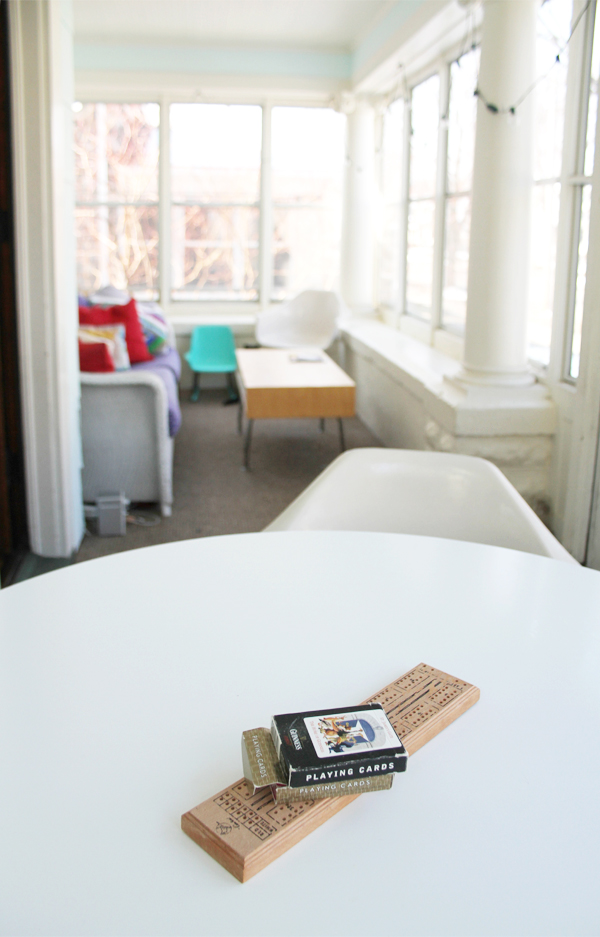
(576,169)
(568,193)
(440,202)
(378,178)
(584,93)
(164,204)
(575,226)
(404,204)
(266,211)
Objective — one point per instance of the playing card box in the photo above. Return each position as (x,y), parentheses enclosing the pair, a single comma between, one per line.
(361,785)
(260,761)
(262,769)
(340,745)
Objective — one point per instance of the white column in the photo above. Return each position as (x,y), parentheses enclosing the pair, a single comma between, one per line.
(41,46)
(495,350)
(358,230)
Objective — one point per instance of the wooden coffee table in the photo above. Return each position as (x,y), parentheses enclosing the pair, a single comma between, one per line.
(277,383)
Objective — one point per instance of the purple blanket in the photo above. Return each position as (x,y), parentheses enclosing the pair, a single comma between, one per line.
(168,368)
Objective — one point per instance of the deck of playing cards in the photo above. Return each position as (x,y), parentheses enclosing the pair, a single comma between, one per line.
(323,753)
(331,745)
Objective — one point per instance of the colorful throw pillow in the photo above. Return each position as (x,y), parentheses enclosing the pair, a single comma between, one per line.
(154,326)
(114,337)
(120,315)
(95,356)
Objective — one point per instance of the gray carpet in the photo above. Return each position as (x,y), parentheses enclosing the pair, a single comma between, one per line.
(213,495)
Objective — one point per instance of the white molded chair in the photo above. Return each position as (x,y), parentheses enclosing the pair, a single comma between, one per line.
(310,319)
(436,494)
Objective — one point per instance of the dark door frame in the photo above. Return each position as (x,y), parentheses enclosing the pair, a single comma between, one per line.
(14,539)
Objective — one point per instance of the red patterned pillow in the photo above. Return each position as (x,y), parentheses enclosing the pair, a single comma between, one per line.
(95,356)
(116,315)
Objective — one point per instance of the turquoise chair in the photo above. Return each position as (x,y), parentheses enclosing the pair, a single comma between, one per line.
(212,351)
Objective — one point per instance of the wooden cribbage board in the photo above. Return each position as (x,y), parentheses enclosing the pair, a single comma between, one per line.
(245,831)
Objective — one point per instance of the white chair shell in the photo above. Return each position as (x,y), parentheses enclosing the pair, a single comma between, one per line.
(310,319)
(435,494)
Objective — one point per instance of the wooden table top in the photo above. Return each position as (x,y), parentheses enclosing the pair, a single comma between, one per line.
(276,368)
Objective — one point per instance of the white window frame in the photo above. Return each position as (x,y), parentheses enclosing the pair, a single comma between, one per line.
(181,310)
(572,182)
(109,203)
(432,331)
(438,198)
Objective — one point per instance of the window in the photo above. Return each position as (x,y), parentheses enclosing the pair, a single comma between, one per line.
(218,227)
(553,28)
(462,114)
(426,206)
(389,247)
(307,160)
(116,191)
(390,241)
(215,195)
(422,197)
(582,185)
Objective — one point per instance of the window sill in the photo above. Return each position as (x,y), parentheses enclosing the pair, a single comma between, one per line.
(404,358)
(429,377)
(442,340)
(241,317)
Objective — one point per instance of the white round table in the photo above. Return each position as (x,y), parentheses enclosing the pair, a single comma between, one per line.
(126,682)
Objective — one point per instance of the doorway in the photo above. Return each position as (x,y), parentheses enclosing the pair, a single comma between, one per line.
(13,517)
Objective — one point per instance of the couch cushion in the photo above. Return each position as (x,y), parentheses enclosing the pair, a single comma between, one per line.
(115,315)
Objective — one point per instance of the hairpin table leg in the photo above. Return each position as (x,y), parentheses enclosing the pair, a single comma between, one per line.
(247,442)
(232,391)
(342,440)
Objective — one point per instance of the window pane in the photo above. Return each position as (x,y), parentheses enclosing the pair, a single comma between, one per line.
(424,137)
(391,150)
(391,179)
(419,260)
(215,153)
(389,257)
(307,158)
(118,246)
(461,122)
(116,153)
(306,250)
(553,28)
(586,200)
(456,262)
(214,253)
(544,227)
(590,143)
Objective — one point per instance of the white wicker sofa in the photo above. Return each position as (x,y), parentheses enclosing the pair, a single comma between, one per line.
(128,421)
(125,437)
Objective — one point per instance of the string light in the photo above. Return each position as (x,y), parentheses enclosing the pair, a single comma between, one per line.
(494,109)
